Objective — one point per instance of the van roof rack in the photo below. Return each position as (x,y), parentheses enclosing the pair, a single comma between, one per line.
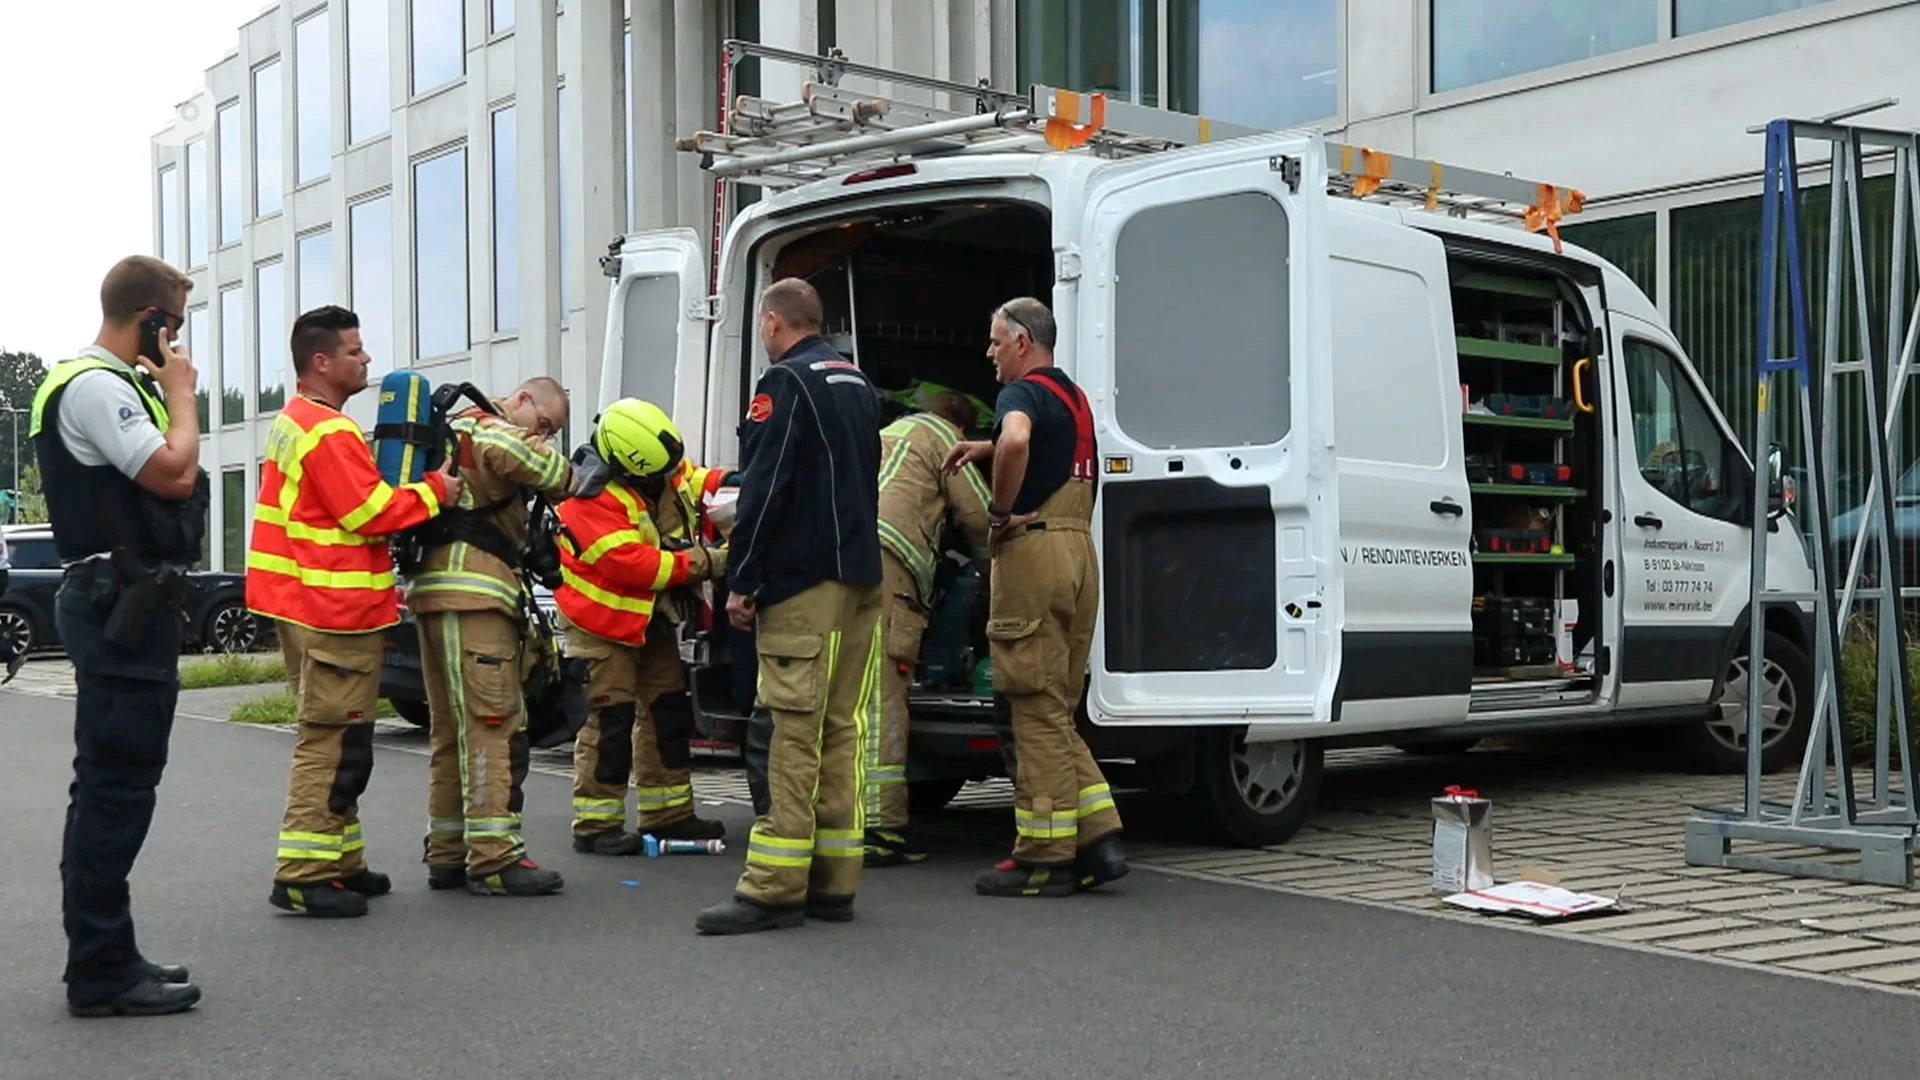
(834,131)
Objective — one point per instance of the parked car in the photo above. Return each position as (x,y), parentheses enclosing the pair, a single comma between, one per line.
(215,609)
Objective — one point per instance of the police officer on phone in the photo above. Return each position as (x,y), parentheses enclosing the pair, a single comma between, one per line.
(118,440)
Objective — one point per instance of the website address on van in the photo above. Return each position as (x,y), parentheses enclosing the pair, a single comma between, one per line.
(1701,606)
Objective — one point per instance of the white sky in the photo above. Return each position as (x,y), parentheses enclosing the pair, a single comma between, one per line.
(87,83)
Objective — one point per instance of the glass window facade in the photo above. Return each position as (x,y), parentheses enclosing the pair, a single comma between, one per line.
(170,216)
(440,255)
(197,201)
(501,19)
(1693,16)
(1630,243)
(312,97)
(268,145)
(315,283)
(1263,63)
(1477,41)
(370,279)
(232,145)
(200,346)
(270,349)
(369,76)
(1112,46)
(233,520)
(439,43)
(506,223)
(233,354)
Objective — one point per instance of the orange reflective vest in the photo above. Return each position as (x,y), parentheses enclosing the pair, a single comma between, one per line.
(612,565)
(319,556)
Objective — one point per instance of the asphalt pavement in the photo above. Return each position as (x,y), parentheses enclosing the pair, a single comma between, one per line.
(1161,976)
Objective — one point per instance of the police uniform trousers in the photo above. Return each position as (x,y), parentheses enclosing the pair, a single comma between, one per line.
(905,623)
(123,719)
(335,680)
(1045,596)
(479,755)
(623,738)
(820,661)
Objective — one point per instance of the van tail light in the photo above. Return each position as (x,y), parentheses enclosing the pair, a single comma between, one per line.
(983,745)
(884,172)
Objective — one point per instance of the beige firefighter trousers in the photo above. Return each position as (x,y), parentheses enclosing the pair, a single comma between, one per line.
(335,681)
(905,624)
(479,757)
(620,738)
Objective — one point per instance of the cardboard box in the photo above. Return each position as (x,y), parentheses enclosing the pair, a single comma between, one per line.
(721,506)
(1462,842)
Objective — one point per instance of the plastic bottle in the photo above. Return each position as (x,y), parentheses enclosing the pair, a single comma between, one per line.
(657,847)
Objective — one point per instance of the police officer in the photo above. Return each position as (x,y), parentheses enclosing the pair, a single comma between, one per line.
(120,465)
(805,573)
(1045,595)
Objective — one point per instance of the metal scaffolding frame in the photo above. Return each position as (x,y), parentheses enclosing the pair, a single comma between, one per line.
(1827,811)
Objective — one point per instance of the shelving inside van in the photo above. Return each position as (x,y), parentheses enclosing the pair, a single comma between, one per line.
(1533,460)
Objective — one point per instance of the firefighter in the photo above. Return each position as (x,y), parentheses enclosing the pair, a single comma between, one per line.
(120,465)
(319,564)
(916,498)
(469,598)
(625,542)
(1045,594)
(806,575)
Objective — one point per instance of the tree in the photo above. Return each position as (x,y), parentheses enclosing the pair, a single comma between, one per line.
(20,375)
(33,505)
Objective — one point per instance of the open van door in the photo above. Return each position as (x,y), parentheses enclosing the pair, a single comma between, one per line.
(657,326)
(1202,340)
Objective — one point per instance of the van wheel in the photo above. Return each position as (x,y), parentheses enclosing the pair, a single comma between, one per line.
(412,710)
(1718,744)
(927,796)
(1256,793)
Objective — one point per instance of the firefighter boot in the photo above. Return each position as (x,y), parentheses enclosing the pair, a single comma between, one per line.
(369,883)
(318,899)
(743,916)
(1100,862)
(1011,878)
(523,878)
(689,828)
(893,847)
(610,842)
(830,908)
(446,877)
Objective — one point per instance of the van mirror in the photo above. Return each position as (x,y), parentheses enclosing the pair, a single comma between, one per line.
(1779,486)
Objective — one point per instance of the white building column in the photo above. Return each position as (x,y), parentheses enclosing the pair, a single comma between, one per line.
(537,135)
(655,194)
(696,103)
(598,189)
(1380,72)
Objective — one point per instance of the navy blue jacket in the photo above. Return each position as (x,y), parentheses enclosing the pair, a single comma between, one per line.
(809,508)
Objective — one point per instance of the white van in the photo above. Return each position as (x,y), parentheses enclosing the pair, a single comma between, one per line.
(1371,473)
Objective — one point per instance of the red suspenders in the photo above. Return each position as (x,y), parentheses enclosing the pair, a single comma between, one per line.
(1076,403)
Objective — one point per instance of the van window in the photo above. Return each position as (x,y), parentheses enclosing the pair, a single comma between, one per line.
(1200,324)
(1681,451)
(650,339)
(1392,396)
(34,555)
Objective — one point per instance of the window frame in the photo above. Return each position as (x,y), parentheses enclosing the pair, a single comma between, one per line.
(168,180)
(504,290)
(382,71)
(415,88)
(277,118)
(218,219)
(233,527)
(1736,476)
(277,263)
(225,293)
(453,150)
(320,17)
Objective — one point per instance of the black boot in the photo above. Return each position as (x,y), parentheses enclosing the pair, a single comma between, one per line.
(610,842)
(167,973)
(743,916)
(893,847)
(150,997)
(1010,878)
(1100,862)
(523,878)
(446,877)
(369,883)
(830,908)
(691,827)
(319,900)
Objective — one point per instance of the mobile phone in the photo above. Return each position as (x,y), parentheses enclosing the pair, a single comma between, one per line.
(150,328)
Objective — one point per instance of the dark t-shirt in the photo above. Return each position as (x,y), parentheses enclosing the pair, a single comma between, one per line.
(1050,450)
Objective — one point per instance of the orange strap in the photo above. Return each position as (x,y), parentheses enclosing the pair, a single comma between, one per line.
(1549,205)
(1064,134)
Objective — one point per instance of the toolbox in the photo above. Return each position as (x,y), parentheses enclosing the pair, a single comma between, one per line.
(1535,472)
(1482,469)
(1535,406)
(1514,541)
(1512,616)
(1525,650)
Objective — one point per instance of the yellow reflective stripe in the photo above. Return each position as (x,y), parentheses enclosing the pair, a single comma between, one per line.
(770,850)
(273,515)
(381,498)
(663,798)
(323,847)
(1061,823)
(353,839)
(604,598)
(978,484)
(840,843)
(319,579)
(919,565)
(1093,799)
(450,581)
(441,826)
(546,465)
(617,538)
(896,457)
(599,809)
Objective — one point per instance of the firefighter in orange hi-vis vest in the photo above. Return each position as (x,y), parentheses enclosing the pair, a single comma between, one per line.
(629,538)
(319,565)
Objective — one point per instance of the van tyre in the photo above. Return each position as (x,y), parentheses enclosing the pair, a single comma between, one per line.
(1256,794)
(413,711)
(1719,743)
(927,796)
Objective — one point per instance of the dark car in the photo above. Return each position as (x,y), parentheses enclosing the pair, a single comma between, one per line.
(215,608)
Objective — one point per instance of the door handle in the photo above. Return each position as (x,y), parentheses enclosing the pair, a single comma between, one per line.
(1647,521)
(1446,506)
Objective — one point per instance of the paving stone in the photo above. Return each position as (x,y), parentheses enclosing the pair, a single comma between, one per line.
(1662,892)
(1899,973)
(1346,881)
(1631,918)
(1757,935)
(1872,922)
(1899,935)
(1816,911)
(1686,928)
(1859,958)
(1716,897)
(1859,890)
(1398,892)
(1767,900)
(1820,945)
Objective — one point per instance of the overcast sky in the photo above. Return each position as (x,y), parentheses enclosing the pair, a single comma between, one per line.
(86,84)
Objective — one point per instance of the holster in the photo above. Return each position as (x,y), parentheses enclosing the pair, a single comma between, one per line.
(138,592)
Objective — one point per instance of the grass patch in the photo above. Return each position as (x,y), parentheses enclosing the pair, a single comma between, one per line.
(231,669)
(279,709)
(1859,671)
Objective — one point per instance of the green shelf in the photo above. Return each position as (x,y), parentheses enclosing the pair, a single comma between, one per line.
(1516,422)
(1537,560)
(1508,350)
(1542,491)
(1511,286)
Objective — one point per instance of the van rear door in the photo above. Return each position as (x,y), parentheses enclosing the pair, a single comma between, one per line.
(1203,342)
(656,329)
